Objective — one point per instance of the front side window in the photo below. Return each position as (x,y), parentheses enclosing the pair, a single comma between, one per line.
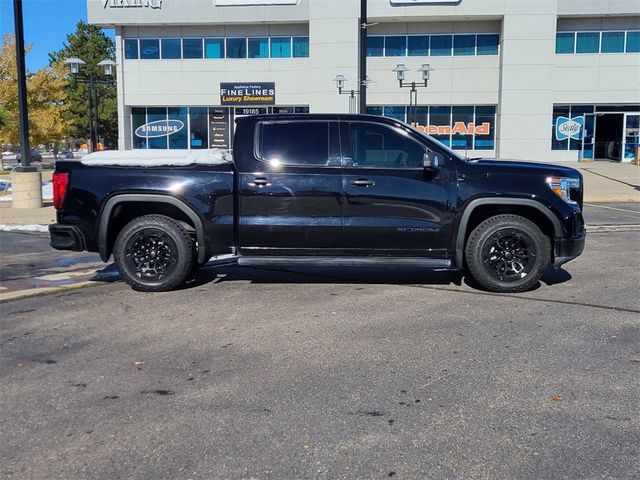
(294,143)
(149,48)
(379,146)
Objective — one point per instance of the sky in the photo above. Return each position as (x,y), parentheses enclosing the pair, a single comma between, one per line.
(46,25)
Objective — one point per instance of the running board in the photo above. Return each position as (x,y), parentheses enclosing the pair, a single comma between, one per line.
(346,261)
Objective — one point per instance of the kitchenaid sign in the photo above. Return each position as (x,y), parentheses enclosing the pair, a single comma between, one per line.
(133,4)
(159,128)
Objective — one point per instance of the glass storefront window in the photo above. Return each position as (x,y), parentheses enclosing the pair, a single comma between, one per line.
(214,48)
(375,46)
(488,44)
(579,111)
(398,112)
(464,45)
(300,47)
(441,116)
(138,118)
(633,42)
(153,115)
(198,127)
(374,111)
(565,42)
(631,136)
(170,48)
(281,47)
(131,48)
(236,48)
(612,42)
(149,48)
(485,115)
(192,48)
(179,139)
(588,42)
(462,118)
(258,48)
(395,46)
(559,111)
(418,45)
(441,45)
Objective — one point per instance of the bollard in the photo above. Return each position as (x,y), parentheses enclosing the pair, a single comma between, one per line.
(26,189)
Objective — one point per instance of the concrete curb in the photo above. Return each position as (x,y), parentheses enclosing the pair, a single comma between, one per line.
(37,292)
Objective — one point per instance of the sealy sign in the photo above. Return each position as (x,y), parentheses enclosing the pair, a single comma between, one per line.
(263,93)
(458,128)
(159,128)
(569,128)
(156,4)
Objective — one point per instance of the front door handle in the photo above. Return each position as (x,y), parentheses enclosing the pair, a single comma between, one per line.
(259,182)
(363,182)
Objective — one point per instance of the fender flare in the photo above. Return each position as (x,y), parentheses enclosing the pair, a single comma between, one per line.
(466,215)
(105,219)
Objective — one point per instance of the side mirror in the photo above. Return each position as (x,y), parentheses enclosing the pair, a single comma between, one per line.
(431,161)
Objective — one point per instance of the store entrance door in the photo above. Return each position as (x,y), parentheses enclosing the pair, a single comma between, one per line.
(608,136)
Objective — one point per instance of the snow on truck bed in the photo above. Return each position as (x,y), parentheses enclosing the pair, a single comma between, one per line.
(157,158)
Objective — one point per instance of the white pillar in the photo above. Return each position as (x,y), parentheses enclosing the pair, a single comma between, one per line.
(26,189)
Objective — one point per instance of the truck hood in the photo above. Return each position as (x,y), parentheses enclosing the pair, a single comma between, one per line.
(525,167)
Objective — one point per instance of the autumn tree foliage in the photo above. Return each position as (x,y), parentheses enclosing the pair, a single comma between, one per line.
(46,100)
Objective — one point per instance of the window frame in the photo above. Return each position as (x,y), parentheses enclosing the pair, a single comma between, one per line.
(246,48)
(224,48)
(162,40)
(598,51)
(201,57)
(140,48)
(137,42)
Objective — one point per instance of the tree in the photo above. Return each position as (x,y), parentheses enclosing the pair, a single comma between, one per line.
(45,100)
(90,44)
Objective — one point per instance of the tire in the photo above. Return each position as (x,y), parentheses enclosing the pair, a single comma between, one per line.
(154,254)
(507,254)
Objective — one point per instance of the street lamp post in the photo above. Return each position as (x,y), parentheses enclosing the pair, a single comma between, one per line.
(108,72)
(401,71)
(340,83)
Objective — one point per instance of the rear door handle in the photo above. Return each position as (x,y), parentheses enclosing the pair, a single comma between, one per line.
(260,182)
(363,182)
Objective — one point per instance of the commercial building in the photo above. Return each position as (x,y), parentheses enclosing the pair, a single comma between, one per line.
(553,80)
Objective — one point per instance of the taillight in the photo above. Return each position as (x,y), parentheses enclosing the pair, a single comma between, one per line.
(60,184)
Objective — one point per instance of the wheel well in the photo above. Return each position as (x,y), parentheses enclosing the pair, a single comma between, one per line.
(483,212)
(125,212)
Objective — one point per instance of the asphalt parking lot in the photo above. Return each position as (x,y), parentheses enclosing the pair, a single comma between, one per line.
(331,373)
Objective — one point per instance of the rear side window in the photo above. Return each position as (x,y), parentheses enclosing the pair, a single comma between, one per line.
(294,143)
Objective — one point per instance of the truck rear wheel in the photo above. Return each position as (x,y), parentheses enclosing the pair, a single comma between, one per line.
(507,253)
(154,253)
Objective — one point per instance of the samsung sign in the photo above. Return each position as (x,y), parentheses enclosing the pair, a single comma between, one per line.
(133,4)
(159,128)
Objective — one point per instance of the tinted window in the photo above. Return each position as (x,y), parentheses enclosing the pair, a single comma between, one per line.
(258,48)
(633,42)
(383,147)
(588,42)
(149,48)
(213,48)
(565,42)
(395,46)
(199,131)
(441,45)
(418,45)
(488,44)
(295,143)
(464,45)
(375,46)
(192,48)
(236,48)
(612,42)
(300,46)
(131,48)
(281,47)
(170,48)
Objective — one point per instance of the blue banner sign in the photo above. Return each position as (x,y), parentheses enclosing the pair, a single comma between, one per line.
(569,128)
(159,128)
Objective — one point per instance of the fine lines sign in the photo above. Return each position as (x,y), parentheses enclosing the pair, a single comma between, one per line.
(260,93)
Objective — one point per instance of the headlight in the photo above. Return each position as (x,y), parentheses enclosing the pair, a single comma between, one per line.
(566,188)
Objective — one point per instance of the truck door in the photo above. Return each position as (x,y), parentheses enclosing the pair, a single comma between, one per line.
(290,189)
(393,205)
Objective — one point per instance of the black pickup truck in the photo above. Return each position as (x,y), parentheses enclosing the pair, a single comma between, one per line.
(332,190)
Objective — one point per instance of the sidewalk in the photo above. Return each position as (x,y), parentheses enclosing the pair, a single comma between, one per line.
(604,182)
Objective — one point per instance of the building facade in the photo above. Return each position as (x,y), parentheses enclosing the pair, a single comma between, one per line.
(550,80)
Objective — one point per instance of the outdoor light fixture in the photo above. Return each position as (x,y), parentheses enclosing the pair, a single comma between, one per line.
(74,64)
(107,67)
(341,80)
(108,72)
(401,70)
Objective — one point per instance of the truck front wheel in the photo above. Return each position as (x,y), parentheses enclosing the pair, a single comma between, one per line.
(507,253)
(154,254)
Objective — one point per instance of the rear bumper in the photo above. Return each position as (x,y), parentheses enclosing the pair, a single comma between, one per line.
(66,237)
(566,249)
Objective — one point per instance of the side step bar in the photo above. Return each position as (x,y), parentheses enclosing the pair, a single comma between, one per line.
(345,261)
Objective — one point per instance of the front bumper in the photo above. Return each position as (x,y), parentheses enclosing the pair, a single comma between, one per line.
(66,237)
(566,249)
